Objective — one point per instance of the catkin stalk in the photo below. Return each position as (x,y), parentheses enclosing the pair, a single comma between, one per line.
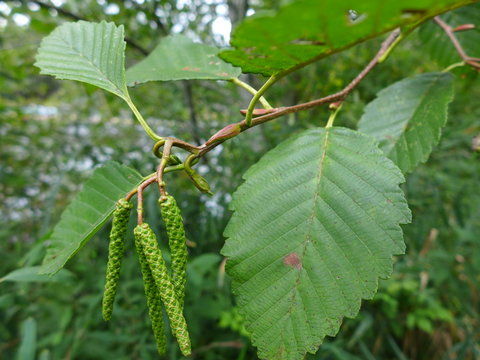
(116,249)
(177,241)
(159,272)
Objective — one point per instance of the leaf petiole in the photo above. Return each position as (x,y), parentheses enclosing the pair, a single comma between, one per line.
(142,121)
(332,117)
(256,97)
(252,91)
(453,66)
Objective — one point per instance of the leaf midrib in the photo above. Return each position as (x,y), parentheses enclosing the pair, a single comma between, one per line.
(309,227)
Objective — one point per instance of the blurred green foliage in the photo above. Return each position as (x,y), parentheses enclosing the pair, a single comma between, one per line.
(54,133)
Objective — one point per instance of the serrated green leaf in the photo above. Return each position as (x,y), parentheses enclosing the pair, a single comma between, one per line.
(30,274)
(177,57)
(88,211)
(308,30)
(315,225)
(407,117)
(438,45)
(93,53)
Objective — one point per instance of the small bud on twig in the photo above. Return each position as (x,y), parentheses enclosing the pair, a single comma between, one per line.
(464,27)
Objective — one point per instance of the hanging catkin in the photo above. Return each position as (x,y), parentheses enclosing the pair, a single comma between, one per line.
(116,250)
(159,272)
(177,241)
(153,300)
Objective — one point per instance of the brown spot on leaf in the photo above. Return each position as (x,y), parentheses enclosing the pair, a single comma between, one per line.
(293,261)
(188,68)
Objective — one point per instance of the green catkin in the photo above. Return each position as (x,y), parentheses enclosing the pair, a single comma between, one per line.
(153,300)
(177,241)
(159,272)
(116,249)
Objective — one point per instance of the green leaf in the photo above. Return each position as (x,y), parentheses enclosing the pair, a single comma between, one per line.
(407,117)
(88,211)
(315,225)
(438,45)
(30,274)
(28,341)
(93,53)
(308,30)
(177,57)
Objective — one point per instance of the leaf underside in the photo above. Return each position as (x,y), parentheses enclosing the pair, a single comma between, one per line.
(93,53)
(88,211)
(314,226)
(438,45)
(311,29)
(177,57)
(407,117)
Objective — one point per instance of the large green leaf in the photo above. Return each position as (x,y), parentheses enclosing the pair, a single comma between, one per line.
(88,52)
(315,225)
(311,29)
(407,117)
(88,211)
(439,46)
(178,58)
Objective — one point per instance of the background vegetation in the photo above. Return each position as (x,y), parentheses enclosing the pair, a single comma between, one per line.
(54,133)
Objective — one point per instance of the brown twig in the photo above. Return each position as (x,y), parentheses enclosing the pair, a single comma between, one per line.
(147,182)
(471,61)
(167,148)
(139,191)
(193,149)
(234,129)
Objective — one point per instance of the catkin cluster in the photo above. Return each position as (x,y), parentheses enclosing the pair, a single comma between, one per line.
(116,250)
(177,241)
(149,246)
(153,298)
(160,287)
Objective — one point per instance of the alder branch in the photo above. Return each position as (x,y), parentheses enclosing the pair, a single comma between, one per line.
(471,61)
(76,17)
(234,129)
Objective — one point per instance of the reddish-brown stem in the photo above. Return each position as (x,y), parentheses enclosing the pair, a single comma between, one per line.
(473,62)
(140,200)
(161,167)
(175,142)
(147,182)
(234,129)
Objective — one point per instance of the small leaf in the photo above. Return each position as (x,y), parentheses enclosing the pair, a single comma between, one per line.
(315,225)
(407,117)
(304,31)
(88,211)
(93,53)
(178,58)
(30,274)
(438,45)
